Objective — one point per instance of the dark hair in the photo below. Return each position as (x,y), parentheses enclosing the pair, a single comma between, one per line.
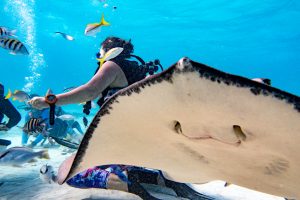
(112,42)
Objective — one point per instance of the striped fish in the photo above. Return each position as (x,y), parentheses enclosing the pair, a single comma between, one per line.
(13,45)
(34,125)
(4,32)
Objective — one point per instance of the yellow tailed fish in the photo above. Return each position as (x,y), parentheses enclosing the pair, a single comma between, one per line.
(92,29)
(17,95)
(8,94)
(112,53)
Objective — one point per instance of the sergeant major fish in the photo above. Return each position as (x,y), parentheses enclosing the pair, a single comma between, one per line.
(14,46)
(17,156)
(34,125)
(5,32)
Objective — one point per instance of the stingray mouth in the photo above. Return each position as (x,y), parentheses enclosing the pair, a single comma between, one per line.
(177,127)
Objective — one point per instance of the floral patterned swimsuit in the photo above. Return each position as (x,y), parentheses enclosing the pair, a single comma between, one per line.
(97,177)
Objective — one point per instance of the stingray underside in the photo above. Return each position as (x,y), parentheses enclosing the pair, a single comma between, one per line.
(198,124)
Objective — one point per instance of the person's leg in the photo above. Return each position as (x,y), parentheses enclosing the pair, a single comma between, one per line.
(24,138)
(37,140)
(77,126)
(91,178)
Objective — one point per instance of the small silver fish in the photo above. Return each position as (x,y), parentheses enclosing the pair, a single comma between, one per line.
(14,46)
(64,35)
(16,156)
(5,32)
(66,117)
(266,81)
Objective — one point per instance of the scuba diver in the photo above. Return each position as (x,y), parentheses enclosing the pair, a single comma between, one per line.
(7,109)
(114,72)
(111,76)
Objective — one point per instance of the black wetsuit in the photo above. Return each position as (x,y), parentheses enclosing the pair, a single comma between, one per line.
(7,109)
(133,73)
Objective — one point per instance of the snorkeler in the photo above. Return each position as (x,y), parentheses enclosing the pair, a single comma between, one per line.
(114,74)
(7,109)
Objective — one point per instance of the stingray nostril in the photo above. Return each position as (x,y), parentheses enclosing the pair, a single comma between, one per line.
(239,132)
(177,126)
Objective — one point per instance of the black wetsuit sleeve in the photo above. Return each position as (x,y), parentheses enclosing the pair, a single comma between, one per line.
(11,112)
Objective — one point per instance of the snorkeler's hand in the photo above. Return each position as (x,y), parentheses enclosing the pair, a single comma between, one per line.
(38,103)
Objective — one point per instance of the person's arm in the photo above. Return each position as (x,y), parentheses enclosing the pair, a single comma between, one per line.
(105,76)
(11,112)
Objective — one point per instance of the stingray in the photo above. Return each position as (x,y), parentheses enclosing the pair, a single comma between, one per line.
(198,124)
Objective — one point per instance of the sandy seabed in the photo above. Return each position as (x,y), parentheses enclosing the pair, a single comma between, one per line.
(24,183)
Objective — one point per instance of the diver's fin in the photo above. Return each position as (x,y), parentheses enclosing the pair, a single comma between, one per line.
(8,94)
(136,188)
(183,190)
(65,143)
(103,22)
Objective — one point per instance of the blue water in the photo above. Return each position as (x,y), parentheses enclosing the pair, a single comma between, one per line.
(249,38)
(252,38)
